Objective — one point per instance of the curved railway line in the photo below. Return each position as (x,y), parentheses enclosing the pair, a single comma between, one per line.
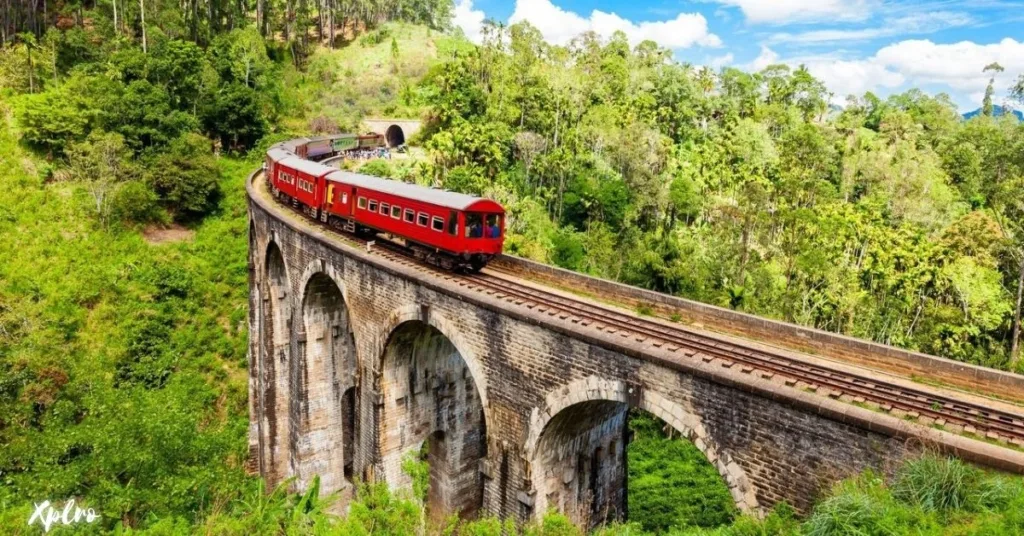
(872,391)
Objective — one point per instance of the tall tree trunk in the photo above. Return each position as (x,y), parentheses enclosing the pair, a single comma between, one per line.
(330,16)
(31,69)
(142,11)
(117,31)
(259,18)
(288,15)
(1015,341)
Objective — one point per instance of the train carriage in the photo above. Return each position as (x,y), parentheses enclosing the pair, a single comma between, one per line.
(318,148)
(447,228)
(469,229)
(301,180)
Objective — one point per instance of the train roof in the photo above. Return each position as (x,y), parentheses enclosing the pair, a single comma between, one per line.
(278,154)
(292,146)
(442,198)
(306,166)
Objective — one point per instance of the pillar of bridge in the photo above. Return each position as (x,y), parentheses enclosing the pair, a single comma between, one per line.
(326,363)
(274,321)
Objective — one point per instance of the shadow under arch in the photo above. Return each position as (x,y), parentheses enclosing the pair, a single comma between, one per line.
(274,356)
(430,395)
(322,378)
(586,419)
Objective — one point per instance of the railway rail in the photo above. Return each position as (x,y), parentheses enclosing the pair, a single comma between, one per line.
(872,391)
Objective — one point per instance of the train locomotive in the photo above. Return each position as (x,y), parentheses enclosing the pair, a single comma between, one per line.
(449,229)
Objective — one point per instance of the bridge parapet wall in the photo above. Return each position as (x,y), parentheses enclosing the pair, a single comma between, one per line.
(799,338)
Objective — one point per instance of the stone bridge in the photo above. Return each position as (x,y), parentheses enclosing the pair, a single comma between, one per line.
(357,361)
(395,131)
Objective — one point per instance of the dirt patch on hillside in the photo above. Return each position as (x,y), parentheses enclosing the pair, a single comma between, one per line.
(163,235)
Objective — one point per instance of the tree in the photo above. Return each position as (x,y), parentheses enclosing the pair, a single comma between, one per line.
(529,145)
(102,163)
(186,177)
(52,119)
(395,55)
(178,66)
(986,105)
(144,116)
(235,116)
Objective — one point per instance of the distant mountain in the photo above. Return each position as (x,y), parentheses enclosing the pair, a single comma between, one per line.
(997,111)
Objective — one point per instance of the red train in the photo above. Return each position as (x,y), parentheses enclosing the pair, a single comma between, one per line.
(453,230)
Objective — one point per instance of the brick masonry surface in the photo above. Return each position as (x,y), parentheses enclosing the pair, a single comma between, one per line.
(356,362)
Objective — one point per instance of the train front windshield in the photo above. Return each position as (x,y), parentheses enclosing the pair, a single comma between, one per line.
(480,225)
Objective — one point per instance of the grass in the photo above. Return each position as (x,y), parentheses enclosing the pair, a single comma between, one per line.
(123,377)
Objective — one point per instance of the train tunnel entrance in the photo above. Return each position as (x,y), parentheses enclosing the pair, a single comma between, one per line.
(394,136)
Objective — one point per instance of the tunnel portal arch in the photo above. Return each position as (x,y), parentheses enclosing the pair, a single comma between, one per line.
(394,136)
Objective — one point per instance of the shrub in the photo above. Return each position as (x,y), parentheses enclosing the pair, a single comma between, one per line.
(939,484)
(377,168)
(136,202)
(186,177)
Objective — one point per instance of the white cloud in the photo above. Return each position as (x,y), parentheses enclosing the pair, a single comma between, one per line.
(920,23)
(721,61)
(765,58)
(957,65)
(560,26)
(783,11)
(955,68)
(854,77)
(470,20)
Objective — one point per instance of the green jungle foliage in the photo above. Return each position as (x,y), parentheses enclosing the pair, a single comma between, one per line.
(671,483)
(123,379)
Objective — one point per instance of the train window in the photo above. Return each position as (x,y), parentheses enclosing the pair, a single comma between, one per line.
(384,208)
(453,223)
(423,219)
(396,211)
(410,215)
(437,223)
(474,225)
(493,227)
(344,198)
(362,203)
(373,206)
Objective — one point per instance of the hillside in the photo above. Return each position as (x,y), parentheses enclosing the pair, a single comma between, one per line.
(997,111)
(375,75)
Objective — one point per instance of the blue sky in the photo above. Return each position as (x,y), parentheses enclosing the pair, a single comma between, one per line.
(853,45)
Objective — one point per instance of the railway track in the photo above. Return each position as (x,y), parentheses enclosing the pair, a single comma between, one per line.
(872,391)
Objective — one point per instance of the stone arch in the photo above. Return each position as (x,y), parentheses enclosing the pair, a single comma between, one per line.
(430,394)
(437,321)
(321,377)
(599,398)
(394,136)
(275,357)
